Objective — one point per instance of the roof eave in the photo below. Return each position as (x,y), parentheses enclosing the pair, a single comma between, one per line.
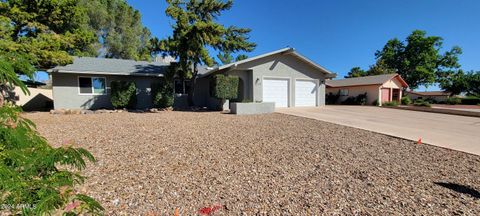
(104,73)
(287,50)
(404,83)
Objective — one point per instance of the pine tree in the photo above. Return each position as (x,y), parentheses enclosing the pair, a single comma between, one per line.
(195,30)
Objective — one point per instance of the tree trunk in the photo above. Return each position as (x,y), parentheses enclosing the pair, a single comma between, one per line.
(2,94)
(1,99)
(193,82)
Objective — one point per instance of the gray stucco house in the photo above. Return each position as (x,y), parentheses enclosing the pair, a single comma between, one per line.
(283,76)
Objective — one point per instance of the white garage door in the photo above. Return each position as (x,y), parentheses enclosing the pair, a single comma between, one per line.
(305,93)
(276,90)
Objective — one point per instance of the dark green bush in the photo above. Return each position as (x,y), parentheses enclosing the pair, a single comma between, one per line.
(162,94)
(224,87)
(454,100)
(331,98)
(471,100)
(420,102)
(391,103)
(431,100)
(124,94)
(406,100)
(375,103)
(360,99)
(349,101)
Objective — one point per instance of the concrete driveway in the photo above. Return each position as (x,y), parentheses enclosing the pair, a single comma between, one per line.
(448,131)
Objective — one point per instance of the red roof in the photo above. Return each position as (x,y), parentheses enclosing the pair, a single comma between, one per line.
(366,80)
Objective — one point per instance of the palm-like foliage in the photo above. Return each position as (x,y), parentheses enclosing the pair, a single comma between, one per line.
(29,168)
(36,178)
(196,30)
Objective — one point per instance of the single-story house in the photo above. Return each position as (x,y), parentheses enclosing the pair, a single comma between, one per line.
(438,96)
(85,84)
(283,76)
(379,88)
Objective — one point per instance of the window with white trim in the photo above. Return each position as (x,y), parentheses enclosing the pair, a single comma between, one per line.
(92,85)
(343,92)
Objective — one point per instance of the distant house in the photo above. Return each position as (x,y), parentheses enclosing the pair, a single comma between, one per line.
(438,96)
(283,76)
(379,88)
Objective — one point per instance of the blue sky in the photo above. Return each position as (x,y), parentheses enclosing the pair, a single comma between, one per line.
(341,34)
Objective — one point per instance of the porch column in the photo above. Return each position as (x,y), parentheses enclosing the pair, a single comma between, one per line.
(380,96)
(391,94)
(399,95)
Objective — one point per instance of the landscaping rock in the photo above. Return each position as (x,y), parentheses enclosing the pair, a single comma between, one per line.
(87,112)
(57,112)
(261,165)
(75,111)
(100,111)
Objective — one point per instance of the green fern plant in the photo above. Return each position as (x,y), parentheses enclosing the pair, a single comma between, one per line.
(31,180)
(36,178)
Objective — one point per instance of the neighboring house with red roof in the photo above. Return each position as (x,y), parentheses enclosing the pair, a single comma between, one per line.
(439,96)
(380,88)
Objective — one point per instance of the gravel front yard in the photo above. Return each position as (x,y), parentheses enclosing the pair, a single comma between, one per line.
(152,163)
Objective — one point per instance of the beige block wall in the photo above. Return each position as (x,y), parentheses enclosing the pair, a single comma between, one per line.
(23,98)
(371,90)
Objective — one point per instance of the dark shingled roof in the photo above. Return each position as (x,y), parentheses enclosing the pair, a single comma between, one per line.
(89,65)
(359,81)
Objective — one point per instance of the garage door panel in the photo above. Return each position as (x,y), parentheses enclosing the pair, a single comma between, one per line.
(305,93)
(276,90)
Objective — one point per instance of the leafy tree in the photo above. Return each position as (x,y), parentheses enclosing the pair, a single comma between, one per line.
(473,83)
(379,68)
(118,28)
(454,82)
(418,60)
(44,32)
(195,30)
(38,34)
(356,72)
(457,82)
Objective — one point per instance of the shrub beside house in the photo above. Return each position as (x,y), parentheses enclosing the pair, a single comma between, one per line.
(224,88)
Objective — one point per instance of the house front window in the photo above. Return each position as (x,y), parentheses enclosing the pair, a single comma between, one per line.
(182,86)
(92,85)
(343,92)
